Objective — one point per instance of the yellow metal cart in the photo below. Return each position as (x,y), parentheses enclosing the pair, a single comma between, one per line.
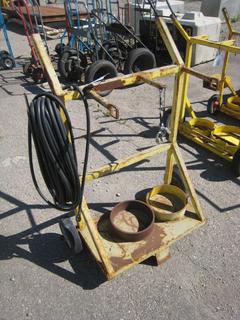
(113,255)
(221,140)
(216,103)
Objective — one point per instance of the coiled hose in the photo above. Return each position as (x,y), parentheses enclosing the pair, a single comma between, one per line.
(54,143)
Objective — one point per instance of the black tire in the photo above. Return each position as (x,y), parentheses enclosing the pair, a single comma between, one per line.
(38,75)
(98,69)
(118,53)
(139,59)
(236,164)
(7,62)
(213,105)
(59,48)
(67,235)
(71,235)
(27,69)
(69,67)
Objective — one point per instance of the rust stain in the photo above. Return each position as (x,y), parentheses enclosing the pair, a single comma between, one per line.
(119,262)
(151,243)
(114,84)
(126,221)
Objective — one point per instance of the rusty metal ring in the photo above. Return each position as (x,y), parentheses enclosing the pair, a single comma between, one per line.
(140,211)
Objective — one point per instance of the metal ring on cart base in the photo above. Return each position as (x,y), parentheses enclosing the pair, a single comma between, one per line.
(168,202)
(132,220)
(233,103)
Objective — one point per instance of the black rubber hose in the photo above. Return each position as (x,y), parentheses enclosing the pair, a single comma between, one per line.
(55,149)
(88,127)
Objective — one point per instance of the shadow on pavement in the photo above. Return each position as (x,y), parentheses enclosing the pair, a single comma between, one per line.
(12,79)
(47,250)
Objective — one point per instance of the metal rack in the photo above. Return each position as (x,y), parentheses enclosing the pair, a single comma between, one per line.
(113,255)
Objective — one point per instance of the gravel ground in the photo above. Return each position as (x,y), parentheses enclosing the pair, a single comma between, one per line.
(40,278)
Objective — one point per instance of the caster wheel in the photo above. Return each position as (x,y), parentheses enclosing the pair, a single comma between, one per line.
(7,62)
(71,235)
(213,105)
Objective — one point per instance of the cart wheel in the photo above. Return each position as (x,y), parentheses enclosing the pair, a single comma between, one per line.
(98,69)
(138,60)
(7,62)
(74,69)
(59,48)
(213,105)
(118,53)
(69,66)
(37,75)
(71,235)
(27,69)
(236,164)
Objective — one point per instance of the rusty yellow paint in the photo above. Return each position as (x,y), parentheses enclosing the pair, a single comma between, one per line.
(125,255)
(47,65)
(123,163)
(94,239)
(187,182)
(175,119)
(152,83)
(226,147)
(113,255)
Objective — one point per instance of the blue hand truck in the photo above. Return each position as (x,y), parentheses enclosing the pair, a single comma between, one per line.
(7,60)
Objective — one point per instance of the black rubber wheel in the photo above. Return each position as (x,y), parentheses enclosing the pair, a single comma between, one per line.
(71,235)
(98,69)
(7,62)
(69,66)
(37,75)
(236,164)
(213,105)
(118,53)
(59,48)
(138,60)
(27,69)
(67,235)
